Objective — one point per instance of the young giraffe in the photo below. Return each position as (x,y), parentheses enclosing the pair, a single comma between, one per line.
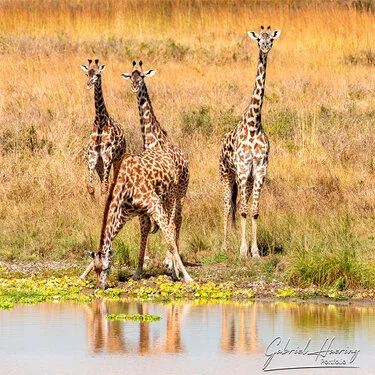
(107,142)
(154,137)
(244,152)
(141,186)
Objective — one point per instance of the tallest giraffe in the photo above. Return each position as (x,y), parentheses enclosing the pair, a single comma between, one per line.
(244,153)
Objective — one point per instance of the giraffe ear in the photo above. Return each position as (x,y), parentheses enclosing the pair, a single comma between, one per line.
(253,35)
(149,73)
(126,75)
(276,34)
(91,254)
(101,68)
(84,68)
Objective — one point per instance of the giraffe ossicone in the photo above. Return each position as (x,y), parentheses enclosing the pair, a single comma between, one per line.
(244,153)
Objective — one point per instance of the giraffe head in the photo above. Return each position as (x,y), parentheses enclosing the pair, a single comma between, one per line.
(102,265)
(137,76)
(265,38)
(93,72)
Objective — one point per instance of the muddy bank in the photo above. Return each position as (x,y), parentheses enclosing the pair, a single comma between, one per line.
(59,281)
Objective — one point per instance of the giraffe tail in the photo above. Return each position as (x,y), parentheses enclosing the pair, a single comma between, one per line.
(233,207)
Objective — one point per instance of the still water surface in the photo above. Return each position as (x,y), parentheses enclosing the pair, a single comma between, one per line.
(191,338)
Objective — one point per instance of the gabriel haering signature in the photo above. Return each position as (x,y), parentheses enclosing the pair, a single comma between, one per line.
(279,353)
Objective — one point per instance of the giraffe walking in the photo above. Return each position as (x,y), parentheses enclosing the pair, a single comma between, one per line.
(154,137)
(107,141)
(142,185)
(244,153)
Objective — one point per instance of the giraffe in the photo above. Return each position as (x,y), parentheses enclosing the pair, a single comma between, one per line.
(244,153)
(141,186)
(107,142)
(155,137)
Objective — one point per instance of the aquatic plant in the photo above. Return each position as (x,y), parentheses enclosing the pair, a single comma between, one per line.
(134,317)
(32,290)
(286,293)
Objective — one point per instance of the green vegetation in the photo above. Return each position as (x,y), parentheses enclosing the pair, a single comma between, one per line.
(134,317)
(34,290)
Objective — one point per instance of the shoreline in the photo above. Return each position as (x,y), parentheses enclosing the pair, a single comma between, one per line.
(156,286)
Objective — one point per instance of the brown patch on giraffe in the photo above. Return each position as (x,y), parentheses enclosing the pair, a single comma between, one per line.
(105,138)
(258,148)
(246,147)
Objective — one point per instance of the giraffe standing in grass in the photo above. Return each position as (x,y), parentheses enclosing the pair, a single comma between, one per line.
(107,143)
(154,137)
(244,153)
(142,185)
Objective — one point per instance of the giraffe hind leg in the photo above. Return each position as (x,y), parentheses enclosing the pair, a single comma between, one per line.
(158,213)
(245,189)
(258,184)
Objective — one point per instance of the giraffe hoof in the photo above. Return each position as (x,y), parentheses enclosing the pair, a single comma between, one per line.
(244,253)
(255,252)
(168,261)
(188,279)
(91,189)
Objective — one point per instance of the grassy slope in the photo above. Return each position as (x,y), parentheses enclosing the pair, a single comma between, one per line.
(318,203)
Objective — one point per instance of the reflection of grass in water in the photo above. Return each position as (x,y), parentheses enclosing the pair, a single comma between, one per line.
(134,317)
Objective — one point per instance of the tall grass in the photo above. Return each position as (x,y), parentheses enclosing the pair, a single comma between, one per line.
(318,113)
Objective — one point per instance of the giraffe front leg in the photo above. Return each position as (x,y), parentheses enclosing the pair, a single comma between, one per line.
(229,195)
(117,217)
(244,192)
(145,224)
(106,171)
(92,161)
(259,177)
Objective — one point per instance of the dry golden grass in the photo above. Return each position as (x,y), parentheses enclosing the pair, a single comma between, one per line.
(318,111)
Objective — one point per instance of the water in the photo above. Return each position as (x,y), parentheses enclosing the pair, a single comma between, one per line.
(191,338)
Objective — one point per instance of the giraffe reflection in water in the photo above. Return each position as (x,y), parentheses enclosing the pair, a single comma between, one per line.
(111,336)
(239,332)
(243,325)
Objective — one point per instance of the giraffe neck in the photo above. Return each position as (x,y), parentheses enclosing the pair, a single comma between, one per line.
(152,133)
(101,115)
(252,115)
